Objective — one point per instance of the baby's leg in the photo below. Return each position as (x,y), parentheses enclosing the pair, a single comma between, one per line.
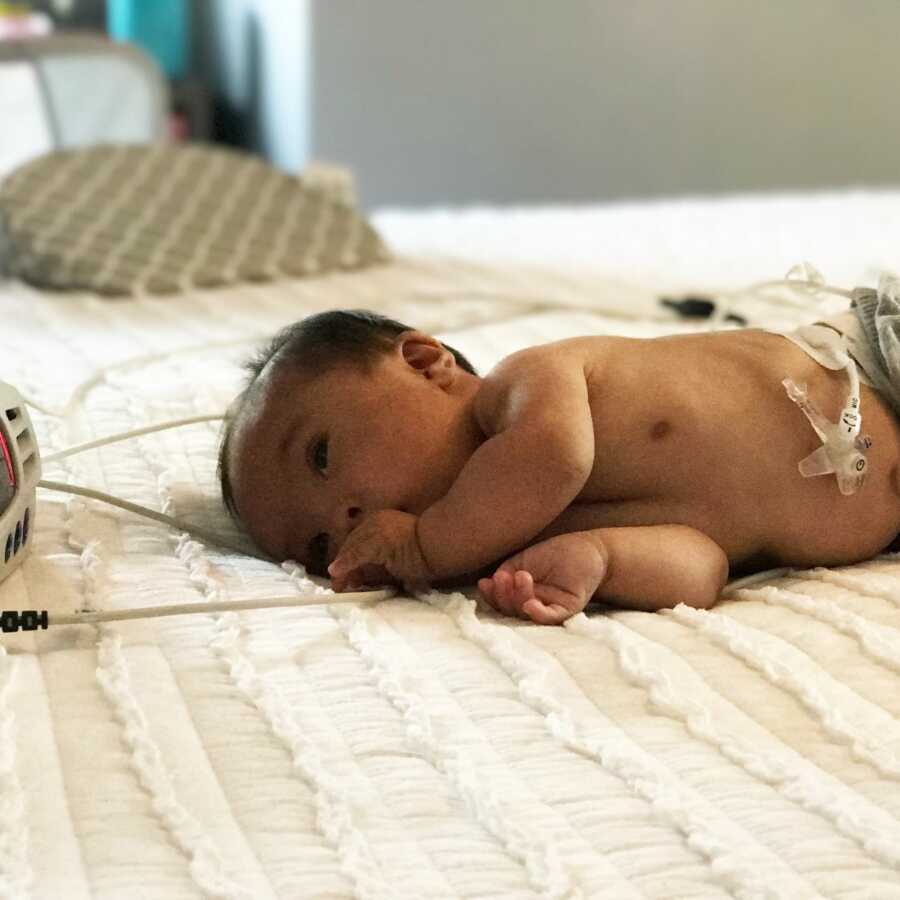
(645,567)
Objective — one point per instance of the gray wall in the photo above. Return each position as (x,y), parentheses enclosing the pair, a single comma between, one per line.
(517,101)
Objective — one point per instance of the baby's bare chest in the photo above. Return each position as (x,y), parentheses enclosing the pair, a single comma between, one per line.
(683,417)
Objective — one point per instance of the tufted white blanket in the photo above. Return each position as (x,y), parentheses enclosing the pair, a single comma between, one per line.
(427,748)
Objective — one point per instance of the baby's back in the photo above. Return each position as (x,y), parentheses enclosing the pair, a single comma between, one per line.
(698,430)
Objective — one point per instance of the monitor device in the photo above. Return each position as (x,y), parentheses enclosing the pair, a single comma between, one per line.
(20,470)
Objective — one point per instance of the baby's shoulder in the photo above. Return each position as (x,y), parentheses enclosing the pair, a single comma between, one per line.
(553,356)
(528,380)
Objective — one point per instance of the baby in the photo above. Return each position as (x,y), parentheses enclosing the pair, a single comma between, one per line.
(637,472)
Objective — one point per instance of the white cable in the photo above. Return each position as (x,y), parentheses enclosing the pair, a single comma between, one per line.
(812,287)
(42,409)
(147,612)
(197,530)
(853,374)
(124,435)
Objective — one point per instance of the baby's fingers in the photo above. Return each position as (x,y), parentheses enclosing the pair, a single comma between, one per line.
(545,613)
(498,592)
(365,575)
(346,582)
(512,591)
(340,570)
(508,591)
(486,586)
(350,562)
(523,587)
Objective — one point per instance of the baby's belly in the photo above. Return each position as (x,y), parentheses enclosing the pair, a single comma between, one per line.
(726,464)
(805,522)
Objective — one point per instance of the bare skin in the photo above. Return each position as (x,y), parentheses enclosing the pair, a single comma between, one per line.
(638,472)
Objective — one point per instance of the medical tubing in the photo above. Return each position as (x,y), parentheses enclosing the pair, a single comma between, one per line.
(815,286)
(124,435)
(726,299)
(147,612)
(850,407)
(41,409)
(810,287)
(196,530)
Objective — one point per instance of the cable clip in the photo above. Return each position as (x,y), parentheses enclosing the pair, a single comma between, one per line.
(27,620)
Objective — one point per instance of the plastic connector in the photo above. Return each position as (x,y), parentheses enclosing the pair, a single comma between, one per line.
(843,450)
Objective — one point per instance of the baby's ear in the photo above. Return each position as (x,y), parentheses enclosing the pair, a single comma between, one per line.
(428,356)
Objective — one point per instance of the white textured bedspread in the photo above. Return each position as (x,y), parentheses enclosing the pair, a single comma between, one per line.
(426,748)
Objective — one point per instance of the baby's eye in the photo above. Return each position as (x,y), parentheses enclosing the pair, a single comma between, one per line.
(320,454)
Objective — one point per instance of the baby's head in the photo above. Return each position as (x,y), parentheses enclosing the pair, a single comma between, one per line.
(344,413)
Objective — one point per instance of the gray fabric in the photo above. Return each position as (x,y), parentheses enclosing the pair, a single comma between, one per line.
(878,312)
(124,220)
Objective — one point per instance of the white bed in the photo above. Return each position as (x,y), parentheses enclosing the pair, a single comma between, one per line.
(426,748)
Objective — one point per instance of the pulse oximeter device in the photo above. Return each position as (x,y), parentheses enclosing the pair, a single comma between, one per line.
(20,471)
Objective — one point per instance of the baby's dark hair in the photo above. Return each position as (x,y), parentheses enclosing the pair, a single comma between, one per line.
(312,346)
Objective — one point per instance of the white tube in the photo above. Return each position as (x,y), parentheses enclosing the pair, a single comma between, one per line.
(197,530)
(813,287)
(41,409)
(147,612)
(124,435)
(854,401)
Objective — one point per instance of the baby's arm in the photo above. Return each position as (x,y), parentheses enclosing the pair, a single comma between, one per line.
(654,567)
(644,567)
(538,455)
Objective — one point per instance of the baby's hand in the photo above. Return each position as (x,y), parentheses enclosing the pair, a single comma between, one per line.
(548,582)
(383,544)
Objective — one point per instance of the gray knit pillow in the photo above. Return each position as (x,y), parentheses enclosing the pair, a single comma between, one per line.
(124,219)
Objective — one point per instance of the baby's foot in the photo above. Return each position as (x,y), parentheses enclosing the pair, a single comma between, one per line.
(548,582)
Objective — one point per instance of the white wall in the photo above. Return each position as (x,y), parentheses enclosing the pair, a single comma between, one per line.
(515,101)
(257,55)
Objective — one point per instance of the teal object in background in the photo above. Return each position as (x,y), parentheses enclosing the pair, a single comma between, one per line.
(161,27)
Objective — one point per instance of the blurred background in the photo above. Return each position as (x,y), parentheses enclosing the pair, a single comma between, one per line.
(509,102)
